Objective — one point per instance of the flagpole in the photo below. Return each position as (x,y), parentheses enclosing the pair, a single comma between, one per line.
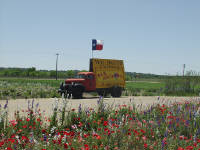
(92,53)
(92,48)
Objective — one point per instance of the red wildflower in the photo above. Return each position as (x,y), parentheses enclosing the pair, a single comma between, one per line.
(9,148)
(195,144)
(1,143)
(181,137)
(189,148)
(13,122)
(180,148)
(145,145)
(144,138)
(141,130)
(11,140)
(105,123)
(98,137)
(65,145)
(24,138)
(27,119)
(80,124)
(87,147)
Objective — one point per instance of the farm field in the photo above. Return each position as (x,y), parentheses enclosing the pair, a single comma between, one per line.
(15,88)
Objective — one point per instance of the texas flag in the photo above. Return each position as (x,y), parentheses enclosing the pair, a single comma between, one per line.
(97,44)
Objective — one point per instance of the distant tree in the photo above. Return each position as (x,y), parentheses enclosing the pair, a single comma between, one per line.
(43,74)
(128,78)
(6,73)
(70,73)
(30,71)
(52,74)
(33,74)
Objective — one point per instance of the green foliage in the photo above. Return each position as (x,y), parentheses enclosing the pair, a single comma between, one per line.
(182,86)
(133,76)
(143,88)
(28,88)
(33,73)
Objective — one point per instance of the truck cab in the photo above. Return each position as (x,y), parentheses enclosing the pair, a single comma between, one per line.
(87,79)
(84,82)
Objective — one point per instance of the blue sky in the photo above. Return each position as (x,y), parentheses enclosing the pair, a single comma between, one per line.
(151,36)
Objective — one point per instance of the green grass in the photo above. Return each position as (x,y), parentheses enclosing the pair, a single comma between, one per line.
(144,88)
(45,88)
(50,82)
(13,88)
(146,85)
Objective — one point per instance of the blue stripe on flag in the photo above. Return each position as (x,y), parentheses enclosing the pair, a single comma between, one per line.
(94,44)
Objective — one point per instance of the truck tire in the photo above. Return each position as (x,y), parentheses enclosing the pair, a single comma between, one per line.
(116,91)
(77,92)
(103,93)
(77,95)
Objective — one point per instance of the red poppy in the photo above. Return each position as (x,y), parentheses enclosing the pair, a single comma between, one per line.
(145,145)
(189,148)
(105,123)
(65,145)
(98,137)
(87,147)
(1,143)
(141,130)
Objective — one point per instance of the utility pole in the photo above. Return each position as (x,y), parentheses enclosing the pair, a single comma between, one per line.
(183,70)
(57,66)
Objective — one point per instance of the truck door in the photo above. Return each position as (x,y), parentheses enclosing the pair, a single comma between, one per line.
(91,82)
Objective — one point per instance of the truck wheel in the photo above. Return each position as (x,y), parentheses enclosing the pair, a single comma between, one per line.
(77,95)
(77,91)
(102,93)
(116,92)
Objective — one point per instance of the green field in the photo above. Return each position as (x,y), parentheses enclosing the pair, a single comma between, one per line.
(13,88)
(144,88)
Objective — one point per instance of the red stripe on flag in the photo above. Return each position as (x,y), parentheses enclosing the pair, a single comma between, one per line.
(99,47)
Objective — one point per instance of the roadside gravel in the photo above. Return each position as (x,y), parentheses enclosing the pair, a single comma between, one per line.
(46,105)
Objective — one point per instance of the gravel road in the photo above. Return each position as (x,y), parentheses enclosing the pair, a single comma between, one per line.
(46,105)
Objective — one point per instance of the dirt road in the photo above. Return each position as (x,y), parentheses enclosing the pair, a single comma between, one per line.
(47,104)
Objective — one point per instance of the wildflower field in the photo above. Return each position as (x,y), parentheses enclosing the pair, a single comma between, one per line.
(164,126)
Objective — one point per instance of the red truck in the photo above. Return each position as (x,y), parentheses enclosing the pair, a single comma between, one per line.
(105,76)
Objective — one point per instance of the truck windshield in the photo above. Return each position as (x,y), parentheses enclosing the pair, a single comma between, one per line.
(81,76)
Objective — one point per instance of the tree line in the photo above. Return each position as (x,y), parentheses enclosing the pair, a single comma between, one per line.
(33,73)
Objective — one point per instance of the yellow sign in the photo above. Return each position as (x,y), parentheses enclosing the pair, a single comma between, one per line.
(108,72)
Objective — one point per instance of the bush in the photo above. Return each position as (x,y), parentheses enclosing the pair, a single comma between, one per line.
(182,86)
